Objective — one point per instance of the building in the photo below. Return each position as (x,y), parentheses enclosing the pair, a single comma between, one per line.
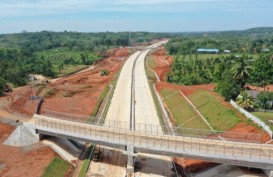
(207,50)
(227,51)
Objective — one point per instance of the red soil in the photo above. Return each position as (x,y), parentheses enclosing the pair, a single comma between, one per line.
(243,127)
(268,88)
(27,161)
(79,93)
(75,94)
(163,63)
(162,69)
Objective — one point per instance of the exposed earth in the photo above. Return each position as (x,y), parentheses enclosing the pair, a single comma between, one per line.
(26,161)
(76,94)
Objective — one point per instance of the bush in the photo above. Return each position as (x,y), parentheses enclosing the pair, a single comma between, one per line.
(104,72)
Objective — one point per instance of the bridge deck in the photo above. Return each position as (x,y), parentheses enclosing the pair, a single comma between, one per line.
(236,153)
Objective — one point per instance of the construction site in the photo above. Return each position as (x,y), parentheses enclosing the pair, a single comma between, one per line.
(132,92)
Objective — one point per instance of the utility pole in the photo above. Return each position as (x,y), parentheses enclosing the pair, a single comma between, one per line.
(129,43)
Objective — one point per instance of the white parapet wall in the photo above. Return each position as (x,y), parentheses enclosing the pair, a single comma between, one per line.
(252,117)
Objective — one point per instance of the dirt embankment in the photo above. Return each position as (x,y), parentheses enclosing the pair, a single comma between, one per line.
(163,66)
(268,88)
(76,94)
(163,62)
(27,161)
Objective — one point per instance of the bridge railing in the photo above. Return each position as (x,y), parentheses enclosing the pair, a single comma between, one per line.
(157,130)
(237,152)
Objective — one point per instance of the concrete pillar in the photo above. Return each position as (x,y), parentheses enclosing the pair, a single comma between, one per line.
(130,164)
(269,173)
(130,160)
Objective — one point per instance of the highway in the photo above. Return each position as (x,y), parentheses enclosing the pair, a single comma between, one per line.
(120,107)
(132,101)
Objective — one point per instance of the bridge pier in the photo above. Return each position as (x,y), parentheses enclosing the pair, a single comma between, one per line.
(130,159)
(268,173)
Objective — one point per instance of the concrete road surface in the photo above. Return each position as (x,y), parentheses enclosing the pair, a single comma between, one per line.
(145,110)
(120,107)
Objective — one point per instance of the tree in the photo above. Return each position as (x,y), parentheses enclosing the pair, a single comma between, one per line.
(263,100)
(262,71)
(83,58)
(228,87)
(245,101)
(61,66)
(2,85)
(241,70)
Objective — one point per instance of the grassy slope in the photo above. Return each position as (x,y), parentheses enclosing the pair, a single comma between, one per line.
(69,69)
(183,113)
(219,116)
(56,168)
(265,117)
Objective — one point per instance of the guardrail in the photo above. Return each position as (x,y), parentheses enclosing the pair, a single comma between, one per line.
(238,153)
(157,130)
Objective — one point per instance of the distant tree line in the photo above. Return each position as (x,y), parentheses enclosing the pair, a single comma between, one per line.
(25,53)
(250,41)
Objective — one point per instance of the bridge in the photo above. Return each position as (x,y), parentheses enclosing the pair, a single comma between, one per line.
(132,124)
(150,141)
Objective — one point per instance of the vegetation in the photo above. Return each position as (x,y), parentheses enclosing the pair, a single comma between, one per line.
(245,100)
(183,113)
(98,103)
(219,116)
(247,41)
(230,72)
(70,69)
(2,85)
(250,60)
(264,99)
(49,53)
(241,70)
(86,162)
(104,72)
(57,168)
(266,117)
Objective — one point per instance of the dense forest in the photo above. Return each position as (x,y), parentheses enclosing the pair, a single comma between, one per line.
(42,52)
(255,40)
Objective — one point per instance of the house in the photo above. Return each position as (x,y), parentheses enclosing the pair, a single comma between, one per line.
(227,51)
(265,50)
(207,50)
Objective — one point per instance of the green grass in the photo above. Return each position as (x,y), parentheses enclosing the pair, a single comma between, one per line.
(265,117)
(86,162)
(69,69)
(219,116)
(183,113)
(151,62)
(150,74)
(57,168)
(98,103)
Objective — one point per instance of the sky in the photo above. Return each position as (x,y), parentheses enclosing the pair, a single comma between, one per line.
(133,15)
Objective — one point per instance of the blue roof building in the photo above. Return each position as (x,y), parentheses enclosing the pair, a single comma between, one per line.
(208,50)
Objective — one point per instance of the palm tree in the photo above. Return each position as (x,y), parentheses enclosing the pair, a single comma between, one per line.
(241,70)
(245,101)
